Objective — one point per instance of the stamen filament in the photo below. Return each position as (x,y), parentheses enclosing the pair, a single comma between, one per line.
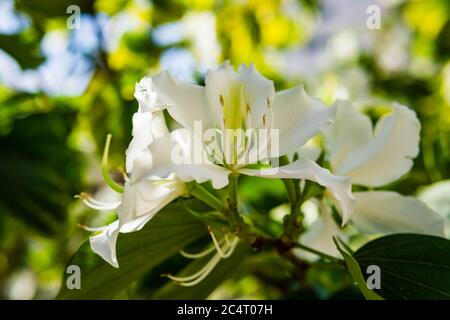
(96,204)
(198,273)
(231,248)
(91,229)
(201,254)
(216,243)
(210,266)
(227,241)
(197,277)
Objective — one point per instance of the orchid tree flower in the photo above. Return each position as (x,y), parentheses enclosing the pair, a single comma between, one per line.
(208,147)
(374,157)
(142,198)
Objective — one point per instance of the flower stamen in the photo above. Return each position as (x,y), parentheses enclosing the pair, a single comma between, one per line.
(96,204)
(198,276)
(91,229)
(216,244)
(201,254)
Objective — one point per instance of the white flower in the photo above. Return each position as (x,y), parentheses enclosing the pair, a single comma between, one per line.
(141,198)
(373,158)
(239,101)
(140,202)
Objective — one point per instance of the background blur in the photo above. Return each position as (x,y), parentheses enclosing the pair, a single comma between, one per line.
(66,81)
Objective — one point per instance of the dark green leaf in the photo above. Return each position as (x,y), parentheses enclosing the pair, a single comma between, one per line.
(40,173)
(412,266)
(24,50)
(171,230)
(41,11)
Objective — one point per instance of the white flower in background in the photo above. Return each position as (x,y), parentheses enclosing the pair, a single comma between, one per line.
(242,101)
(141,198)
(437,197)
(374,157)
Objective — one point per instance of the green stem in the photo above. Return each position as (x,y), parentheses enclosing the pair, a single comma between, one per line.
(110,182)
(239,226)
(292,222)
(206,197)
(233,190)
(318,253)
(232,213)
(288,183)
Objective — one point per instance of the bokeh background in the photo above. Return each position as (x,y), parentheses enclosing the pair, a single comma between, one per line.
(63,89)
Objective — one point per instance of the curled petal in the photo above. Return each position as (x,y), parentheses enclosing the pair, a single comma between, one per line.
(147,126)
(140,202)
(340,187)
(104,243)
(145,95)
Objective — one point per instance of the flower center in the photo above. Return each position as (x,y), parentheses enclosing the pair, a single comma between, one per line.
(242,139)
(235,108)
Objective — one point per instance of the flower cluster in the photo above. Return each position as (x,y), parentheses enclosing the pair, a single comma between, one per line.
(237,124)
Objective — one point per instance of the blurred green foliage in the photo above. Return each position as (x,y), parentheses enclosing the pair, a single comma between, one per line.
(52,130)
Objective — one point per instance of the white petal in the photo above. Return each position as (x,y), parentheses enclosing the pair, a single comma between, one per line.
(320,236)
(350,132)
(145,95)
(202,173)
(380,159)
(310,150)
(186,102)
(147,126)
(298,118)
(226,82)
(174,154)
(222,82)
(340,187)
(145,198)
(437,197)
(140,202)
(258,90)
(389,212)
(104,243)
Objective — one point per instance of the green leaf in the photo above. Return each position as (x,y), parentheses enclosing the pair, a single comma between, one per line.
(171,230)
(41,11)
(24,50)
(412,266)
(226,269)
(355,271)
(40,173)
